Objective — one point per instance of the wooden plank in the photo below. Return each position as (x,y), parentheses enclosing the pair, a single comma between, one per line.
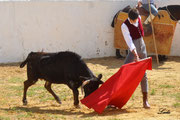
(164,29)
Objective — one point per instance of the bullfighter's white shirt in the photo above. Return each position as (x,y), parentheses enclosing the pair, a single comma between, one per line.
(127,36)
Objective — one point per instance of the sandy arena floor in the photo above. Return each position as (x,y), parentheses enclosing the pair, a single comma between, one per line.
(164,92)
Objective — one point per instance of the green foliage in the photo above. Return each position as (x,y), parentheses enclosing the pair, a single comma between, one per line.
(177,105)
(153,92)
(166,86)
(177,96)
(4,118)
(15,80)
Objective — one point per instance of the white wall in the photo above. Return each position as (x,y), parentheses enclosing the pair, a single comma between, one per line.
(82,27)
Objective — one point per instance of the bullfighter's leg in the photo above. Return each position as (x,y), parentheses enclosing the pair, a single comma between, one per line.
(144,81)
(27,84)
(48,87)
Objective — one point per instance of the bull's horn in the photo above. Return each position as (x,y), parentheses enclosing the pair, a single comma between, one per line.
(82,90)
(83,84)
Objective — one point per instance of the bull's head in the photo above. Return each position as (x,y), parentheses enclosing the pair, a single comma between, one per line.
(91,84)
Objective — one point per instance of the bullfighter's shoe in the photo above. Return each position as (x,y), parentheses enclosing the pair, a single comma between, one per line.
(145,100)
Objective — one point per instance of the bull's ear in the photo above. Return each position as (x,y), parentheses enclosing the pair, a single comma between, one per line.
(99,76)
(100,82)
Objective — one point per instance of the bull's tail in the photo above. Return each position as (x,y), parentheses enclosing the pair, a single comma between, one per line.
(23,63)
(27,60)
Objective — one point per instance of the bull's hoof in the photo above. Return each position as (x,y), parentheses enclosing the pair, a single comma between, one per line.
(25,102)
(58,101)
(77,106)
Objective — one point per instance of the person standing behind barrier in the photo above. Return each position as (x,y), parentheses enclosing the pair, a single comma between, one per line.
(145,5)
(133,34)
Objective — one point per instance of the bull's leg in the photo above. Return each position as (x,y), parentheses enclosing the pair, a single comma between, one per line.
(27,84)
(76,99)
(48,87)
(74,88)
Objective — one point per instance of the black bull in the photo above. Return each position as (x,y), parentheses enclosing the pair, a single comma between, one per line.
(60,68)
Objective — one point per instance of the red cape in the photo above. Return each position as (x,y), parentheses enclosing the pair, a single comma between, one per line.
(118,89)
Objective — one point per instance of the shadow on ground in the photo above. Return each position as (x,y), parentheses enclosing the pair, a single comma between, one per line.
(41,110)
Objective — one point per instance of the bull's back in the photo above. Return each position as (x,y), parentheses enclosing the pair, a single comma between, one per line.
(63,67)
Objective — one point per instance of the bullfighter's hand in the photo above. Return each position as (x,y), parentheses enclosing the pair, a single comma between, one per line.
(136,58)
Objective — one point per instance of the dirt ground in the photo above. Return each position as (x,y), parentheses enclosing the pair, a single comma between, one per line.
(164,92)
